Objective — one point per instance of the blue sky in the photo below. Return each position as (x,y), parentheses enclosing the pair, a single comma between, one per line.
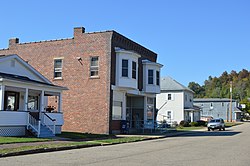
(193,38)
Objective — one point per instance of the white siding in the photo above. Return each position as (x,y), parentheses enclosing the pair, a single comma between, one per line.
(13,118)
(151,88)
(58,117)
(127,82)
(175,105)
(189,102)
(12,66)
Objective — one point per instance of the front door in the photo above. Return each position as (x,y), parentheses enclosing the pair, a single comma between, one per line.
(11,101)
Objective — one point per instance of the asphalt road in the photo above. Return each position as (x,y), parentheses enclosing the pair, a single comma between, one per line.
(224,148)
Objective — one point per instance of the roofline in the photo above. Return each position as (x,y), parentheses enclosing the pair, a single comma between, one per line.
(32,69)
(31,83)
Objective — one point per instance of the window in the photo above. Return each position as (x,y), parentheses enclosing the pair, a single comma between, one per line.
(169,114)
(117,110)
(150,77)
(222,104)
(124,68)
(58,68)
(169,97)
(157,78)
(94,66)
(150,109)
(134,70)
(33,103)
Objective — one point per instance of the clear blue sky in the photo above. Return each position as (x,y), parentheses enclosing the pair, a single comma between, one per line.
(193,38)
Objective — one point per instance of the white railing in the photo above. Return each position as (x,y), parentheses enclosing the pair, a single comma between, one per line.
(34,124)
(49,122)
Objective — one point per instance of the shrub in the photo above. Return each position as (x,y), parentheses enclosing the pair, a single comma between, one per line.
(194,124)
(184,123)
(202,123)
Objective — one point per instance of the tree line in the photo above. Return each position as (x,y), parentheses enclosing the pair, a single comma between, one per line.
(219,87)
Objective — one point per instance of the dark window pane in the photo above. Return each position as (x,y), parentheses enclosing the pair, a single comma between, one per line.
(125,72)
(157,78)
(134,70)
(125,63)
(124,68)
(150,77)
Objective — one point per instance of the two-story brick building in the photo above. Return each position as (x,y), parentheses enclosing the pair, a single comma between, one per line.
(110,78)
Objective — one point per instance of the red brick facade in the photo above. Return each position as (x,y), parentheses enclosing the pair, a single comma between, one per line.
(87,104)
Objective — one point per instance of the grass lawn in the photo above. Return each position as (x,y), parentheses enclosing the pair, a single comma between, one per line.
(230,124)
(189,128)
(75,135)
(73,144)
(9,140)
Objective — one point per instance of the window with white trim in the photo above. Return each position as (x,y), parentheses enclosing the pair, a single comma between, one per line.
(169,115)
(117,110)
(169,96)
(124,68)
(94,66)
(150,76)
(57,68)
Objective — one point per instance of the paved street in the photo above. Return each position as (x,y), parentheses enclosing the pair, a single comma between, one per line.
(197,148)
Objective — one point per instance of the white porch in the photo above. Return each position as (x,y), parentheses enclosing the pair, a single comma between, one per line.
(25,105)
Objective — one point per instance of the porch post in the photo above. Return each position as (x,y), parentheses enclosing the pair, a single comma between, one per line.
(26,99)
(60,102)
(145,110)
(41,104)
(2,89)
(192,115)
(124,107)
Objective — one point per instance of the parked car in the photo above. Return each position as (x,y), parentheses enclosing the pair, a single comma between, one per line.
(216,124)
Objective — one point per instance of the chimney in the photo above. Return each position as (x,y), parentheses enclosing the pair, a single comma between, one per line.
(78,31)
(13,42)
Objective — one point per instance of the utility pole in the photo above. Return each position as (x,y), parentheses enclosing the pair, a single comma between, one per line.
(231,98)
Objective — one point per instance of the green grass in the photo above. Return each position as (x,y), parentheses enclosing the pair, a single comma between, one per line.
(230,124)
(94,142)
(44,146)
(120,140)
(9,140)
(189,128)
(75,135)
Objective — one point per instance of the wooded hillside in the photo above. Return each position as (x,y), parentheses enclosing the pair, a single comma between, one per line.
(219,87)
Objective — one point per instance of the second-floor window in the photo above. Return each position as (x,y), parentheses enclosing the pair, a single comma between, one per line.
(124,68)
(133,69)
(157,78)
(169,97)
(150,77)
(58,68)
(94,66)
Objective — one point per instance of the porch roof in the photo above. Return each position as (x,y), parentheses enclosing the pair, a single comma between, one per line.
(27,80)
(194,108)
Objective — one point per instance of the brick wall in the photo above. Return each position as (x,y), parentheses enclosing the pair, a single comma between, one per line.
(86,103)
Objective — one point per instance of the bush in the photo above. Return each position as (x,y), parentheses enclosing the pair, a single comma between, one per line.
(202,123)
(194,124)
(184,123)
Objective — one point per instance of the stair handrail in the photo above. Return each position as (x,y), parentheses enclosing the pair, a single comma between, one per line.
(46,118)
(34,124)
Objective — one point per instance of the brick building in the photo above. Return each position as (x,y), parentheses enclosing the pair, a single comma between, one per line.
(110,78)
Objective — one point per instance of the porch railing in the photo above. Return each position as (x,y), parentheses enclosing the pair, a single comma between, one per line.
(34,124)
(148,126)
(49,122)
